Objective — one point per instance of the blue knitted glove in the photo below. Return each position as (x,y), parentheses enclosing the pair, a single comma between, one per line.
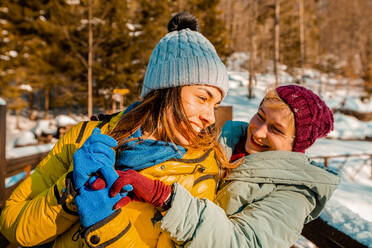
(96,205)
(94,154)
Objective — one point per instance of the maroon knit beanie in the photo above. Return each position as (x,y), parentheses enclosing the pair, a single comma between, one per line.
(313,119)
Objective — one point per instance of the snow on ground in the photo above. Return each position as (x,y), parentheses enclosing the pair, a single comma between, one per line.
(64,120)
(322,147)
(347,221)
(29,130)
(28,150)
(358,104)
(348,127)
(349,209)
(20,142)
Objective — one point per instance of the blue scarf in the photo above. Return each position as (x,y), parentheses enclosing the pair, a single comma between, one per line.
(140,153)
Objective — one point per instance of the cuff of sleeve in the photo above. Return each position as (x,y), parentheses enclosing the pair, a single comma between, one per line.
(182,218)
(64,193)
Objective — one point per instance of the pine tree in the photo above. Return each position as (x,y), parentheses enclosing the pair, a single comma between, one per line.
(54,36)
(148,25)
(211,24)
(20,20)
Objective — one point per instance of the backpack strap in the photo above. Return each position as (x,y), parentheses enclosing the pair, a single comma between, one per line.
(105,119)
(101,117)
(81,132)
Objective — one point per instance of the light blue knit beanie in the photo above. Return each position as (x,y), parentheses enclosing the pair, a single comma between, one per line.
(184,57)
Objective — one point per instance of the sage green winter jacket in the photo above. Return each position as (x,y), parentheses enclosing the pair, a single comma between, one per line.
(263,203)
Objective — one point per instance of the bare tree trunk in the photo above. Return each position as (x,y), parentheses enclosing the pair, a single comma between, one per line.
(47,103)
(261,52)
(229,15)
(276,41)
(302,35)
(38,101)
(252,66)
(180,5)
(253,47)
(2,155)
(18,113)
(90,60)
(31,106)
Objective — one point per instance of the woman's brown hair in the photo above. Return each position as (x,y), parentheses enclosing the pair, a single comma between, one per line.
(151,116)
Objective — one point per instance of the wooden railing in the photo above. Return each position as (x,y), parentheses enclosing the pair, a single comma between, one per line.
(366,155)
(325,236)
(317,231)
(12,167)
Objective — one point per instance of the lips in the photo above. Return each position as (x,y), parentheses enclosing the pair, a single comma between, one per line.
(257,143)
(196,127)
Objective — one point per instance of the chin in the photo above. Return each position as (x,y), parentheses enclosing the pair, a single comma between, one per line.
(252,151)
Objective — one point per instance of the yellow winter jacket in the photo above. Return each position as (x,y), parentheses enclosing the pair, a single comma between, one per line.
(41,210)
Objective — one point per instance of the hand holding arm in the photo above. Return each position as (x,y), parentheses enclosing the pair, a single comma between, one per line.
(145,189)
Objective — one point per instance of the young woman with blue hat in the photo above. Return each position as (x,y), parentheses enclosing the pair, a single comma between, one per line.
(168,136)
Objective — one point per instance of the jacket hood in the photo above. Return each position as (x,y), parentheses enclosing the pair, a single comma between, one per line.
(288,168)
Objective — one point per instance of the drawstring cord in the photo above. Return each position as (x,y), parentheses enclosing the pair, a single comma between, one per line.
(79,232)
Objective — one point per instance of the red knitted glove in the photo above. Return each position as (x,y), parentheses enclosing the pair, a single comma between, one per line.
(145,189)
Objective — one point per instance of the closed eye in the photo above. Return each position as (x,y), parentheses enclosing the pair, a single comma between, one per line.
(203,98)
(260,116)
(277,130)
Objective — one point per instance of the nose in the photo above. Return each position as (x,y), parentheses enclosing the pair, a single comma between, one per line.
(207,116)
(261,131)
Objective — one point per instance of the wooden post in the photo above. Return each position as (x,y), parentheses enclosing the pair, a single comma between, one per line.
(326,162)
(324,235)
(302,36)
(223,114)
(2,153)
(252,27)
(276,41)
(90,60)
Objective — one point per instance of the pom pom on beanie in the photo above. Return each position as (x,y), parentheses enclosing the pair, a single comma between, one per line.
(183,20)
(313,118)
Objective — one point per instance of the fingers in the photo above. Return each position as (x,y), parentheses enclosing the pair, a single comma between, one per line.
(80,179)
(102,138)
(128,187)
(100,160)
(91,180)
(99,148)
(109,174)
(122,182)
(96,131)
(122,202)
(97,183)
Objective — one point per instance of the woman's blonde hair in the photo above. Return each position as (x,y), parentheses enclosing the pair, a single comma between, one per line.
(273,100)
(151,116)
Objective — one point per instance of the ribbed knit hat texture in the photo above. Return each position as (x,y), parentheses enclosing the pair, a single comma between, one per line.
(184,57)
(313,118)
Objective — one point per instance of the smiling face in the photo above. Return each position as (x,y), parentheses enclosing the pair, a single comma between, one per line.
(271,128)
(199,103)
